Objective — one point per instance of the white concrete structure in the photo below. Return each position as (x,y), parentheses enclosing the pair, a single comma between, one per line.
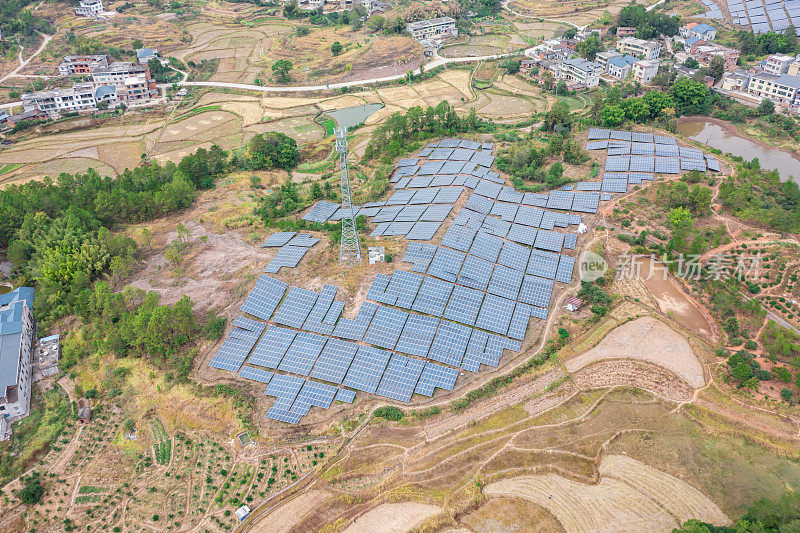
(619,67)
(579,70)
(76,98)
(777,64)
(781,89)
(639,48)
(644,70)
(701,31)
(16,334)
(89,8)
(81,64)
(432,28)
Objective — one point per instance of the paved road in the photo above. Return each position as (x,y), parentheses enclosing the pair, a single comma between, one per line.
(437,62)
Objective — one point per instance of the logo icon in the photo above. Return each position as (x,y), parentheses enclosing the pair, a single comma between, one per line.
(592,266)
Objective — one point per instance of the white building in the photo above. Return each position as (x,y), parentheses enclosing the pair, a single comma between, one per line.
(604,57)
(639,48)
(437,28)
(644,70)
(16,334)
(701,31)
(89,8)
(67,100)
(777,64)
(81,64)
(781,89)
(581,71)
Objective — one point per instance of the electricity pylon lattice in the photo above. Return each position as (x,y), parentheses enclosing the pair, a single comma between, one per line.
(350,251)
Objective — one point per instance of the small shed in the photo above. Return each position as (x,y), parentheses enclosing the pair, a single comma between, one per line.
(573,304)
(242,512)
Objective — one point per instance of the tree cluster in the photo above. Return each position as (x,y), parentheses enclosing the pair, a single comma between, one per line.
(649,24)
(17,20)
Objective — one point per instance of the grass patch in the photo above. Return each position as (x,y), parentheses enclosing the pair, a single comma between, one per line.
(5,169)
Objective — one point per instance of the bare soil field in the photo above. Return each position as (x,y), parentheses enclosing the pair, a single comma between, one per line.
(649,340)
(629,496)
(393,517)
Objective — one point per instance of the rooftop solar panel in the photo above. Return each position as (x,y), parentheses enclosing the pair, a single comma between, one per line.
(366,369)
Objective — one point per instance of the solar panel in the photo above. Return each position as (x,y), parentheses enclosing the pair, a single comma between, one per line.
(536,291)
(423,230)
(404,286)
(713,164)
(598,133)
(255,374)
(287,256)
(479,203)
(367,368)
(506,282)
(417,335)
(522,234)
(432,297)
(387,213)
(355,329)
(436,213)
(264,298)
(615,185)
(543,264)
(642,137)
(447,195)
(400,197)
(495,314)
(488,189)
(446,263)
(450,342)
(430,168)
(495,226)
(452,167)
(528,215)
(549,240)
(272,347)
(597,145)
(295,308)
(302,353)
(420,254)
(285,389)
(441,153)
(586,202)
(434,375)
(667,165)
(666,150)
(620,135)
(407,162)
(565,267)
(346,395)
(483,158)
(641,163)
(570,240)
(423,196)
(442,179)
(504,210)
(616,148)
(475,273)
(487,349)
(321,211)
(514,256)
(278,239)
(313,394)
(380,229)
(509,194)
(303,239)
(461,154)
(464,305)
(486,246)
(471,219)
(449,143)
(617,163)
(459,237)
(410,213)
(334,360)
(400,378)
(519,322)
(642,148)
(386,327)
(560,200)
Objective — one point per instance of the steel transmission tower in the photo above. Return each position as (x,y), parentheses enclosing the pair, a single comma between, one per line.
(350,252)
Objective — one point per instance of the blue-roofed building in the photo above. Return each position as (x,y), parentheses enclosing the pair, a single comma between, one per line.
(619,67)
(16,334)
(107,94)
(691,41)
(701,31)
(143,55)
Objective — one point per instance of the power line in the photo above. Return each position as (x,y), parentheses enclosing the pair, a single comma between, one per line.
(350,251)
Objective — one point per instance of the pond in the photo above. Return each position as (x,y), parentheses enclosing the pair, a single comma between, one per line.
(353,116)
(712,134)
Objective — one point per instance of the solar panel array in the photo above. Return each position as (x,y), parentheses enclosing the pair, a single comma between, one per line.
(777,16)
(464,301)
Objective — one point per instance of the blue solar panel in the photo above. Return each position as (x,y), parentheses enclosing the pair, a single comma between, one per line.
(495,314)
(549,240)
(464,305)
(560,200)
(447,195)
(432,297)
(506,282)
(417,335)
(536,291)
(486,246)
(529,216)
(475,273)
(278,239)
(446,263)
(570,240)
(367,368)
(434,375)
(469,218)
(386,327)
(285,389)
(565,267)
(255,374)
(419,254)
(522,234)
(272,347)
(355,329)
(313,394)
(479,203)
(514,255)
(346,395)
(303,353)
(334,360)
(450,342)
(488,189)
(400,378)
(295,308)
(543,264)
(423,231)
(234,349)
(459,237)
(519,322)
